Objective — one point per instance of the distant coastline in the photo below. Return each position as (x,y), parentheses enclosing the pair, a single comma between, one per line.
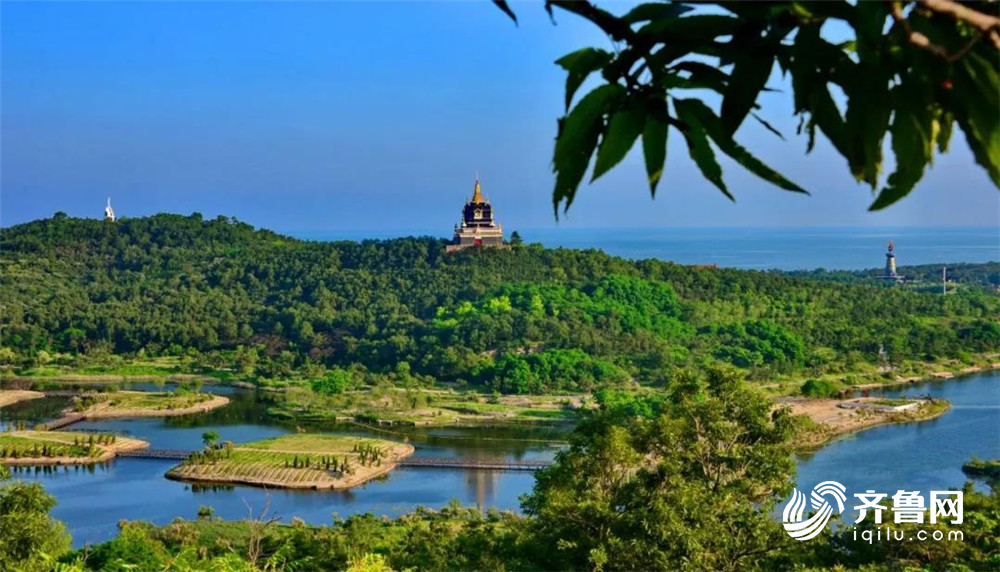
(748,248)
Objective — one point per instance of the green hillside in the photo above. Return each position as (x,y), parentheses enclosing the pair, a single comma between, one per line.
(218,295)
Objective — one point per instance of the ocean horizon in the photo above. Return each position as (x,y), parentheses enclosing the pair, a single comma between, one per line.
(757,248)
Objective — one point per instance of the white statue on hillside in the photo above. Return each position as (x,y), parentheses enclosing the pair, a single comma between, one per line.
(109,213)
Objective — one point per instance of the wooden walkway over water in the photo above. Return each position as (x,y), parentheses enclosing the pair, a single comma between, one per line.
(481,464)
(418,462)
(64,421)
(156,454)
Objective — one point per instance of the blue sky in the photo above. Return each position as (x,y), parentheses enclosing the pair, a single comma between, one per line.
(344,116)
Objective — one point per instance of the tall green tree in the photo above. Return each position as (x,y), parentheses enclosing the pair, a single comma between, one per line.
(29,537)
(210,438)
(683,483)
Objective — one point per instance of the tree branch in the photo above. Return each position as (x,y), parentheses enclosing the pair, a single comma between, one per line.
(985,23)
(922,41)
(618,30)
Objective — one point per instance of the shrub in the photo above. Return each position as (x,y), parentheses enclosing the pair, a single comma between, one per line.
(821,388)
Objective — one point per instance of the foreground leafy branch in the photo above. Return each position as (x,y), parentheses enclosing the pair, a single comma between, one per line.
(912,70)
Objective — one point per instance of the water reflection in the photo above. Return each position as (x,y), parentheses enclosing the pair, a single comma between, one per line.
(32,412)
(136,488)
(921,456)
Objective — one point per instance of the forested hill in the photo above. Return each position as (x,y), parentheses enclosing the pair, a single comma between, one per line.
(525,319)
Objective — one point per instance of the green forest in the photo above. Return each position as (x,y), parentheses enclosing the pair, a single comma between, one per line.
(686,481)
(87,296)
(678,464)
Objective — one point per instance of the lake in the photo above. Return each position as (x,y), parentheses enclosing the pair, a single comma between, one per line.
(919,456)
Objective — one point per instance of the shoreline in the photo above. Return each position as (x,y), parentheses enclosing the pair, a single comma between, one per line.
(12,396)
(99,411)
(936,376)
(323,478)
(273,484)
(108,451)
(831,422)
(99,378)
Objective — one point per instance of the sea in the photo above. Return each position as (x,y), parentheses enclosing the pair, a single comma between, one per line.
(757,248)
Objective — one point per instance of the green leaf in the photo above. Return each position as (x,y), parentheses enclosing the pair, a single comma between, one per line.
(705,75)
(713,127)
(944,127)
(502,4)
(912,143)
(698,147)
(623,129)
(578,133)
(768,126)
(654,143)
(869,22)
(655,11)
(745,83)
(579,65)
(866,122)
(826,116)
(975,101)
(812,96)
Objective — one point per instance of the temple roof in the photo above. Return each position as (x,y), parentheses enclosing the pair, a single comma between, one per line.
(477,193)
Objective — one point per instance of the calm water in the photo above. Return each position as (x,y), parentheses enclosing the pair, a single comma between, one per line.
(841,248)
(918,456)
(921,456)
(136,489)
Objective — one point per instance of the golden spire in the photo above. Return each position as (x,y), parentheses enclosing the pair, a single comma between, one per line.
(477,193)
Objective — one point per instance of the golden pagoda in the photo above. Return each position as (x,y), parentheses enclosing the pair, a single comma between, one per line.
(477,227)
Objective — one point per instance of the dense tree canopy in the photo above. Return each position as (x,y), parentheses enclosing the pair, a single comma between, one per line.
(685,475)
(687,484)
(222,295)
(910,70)
(28,536)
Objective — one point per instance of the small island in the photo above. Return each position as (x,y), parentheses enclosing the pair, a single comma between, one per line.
(119,404)
(421,407)
(34,448)
(302,461)
(989,470)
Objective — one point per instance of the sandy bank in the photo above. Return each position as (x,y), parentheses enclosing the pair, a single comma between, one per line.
(11,396)
(834,419)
